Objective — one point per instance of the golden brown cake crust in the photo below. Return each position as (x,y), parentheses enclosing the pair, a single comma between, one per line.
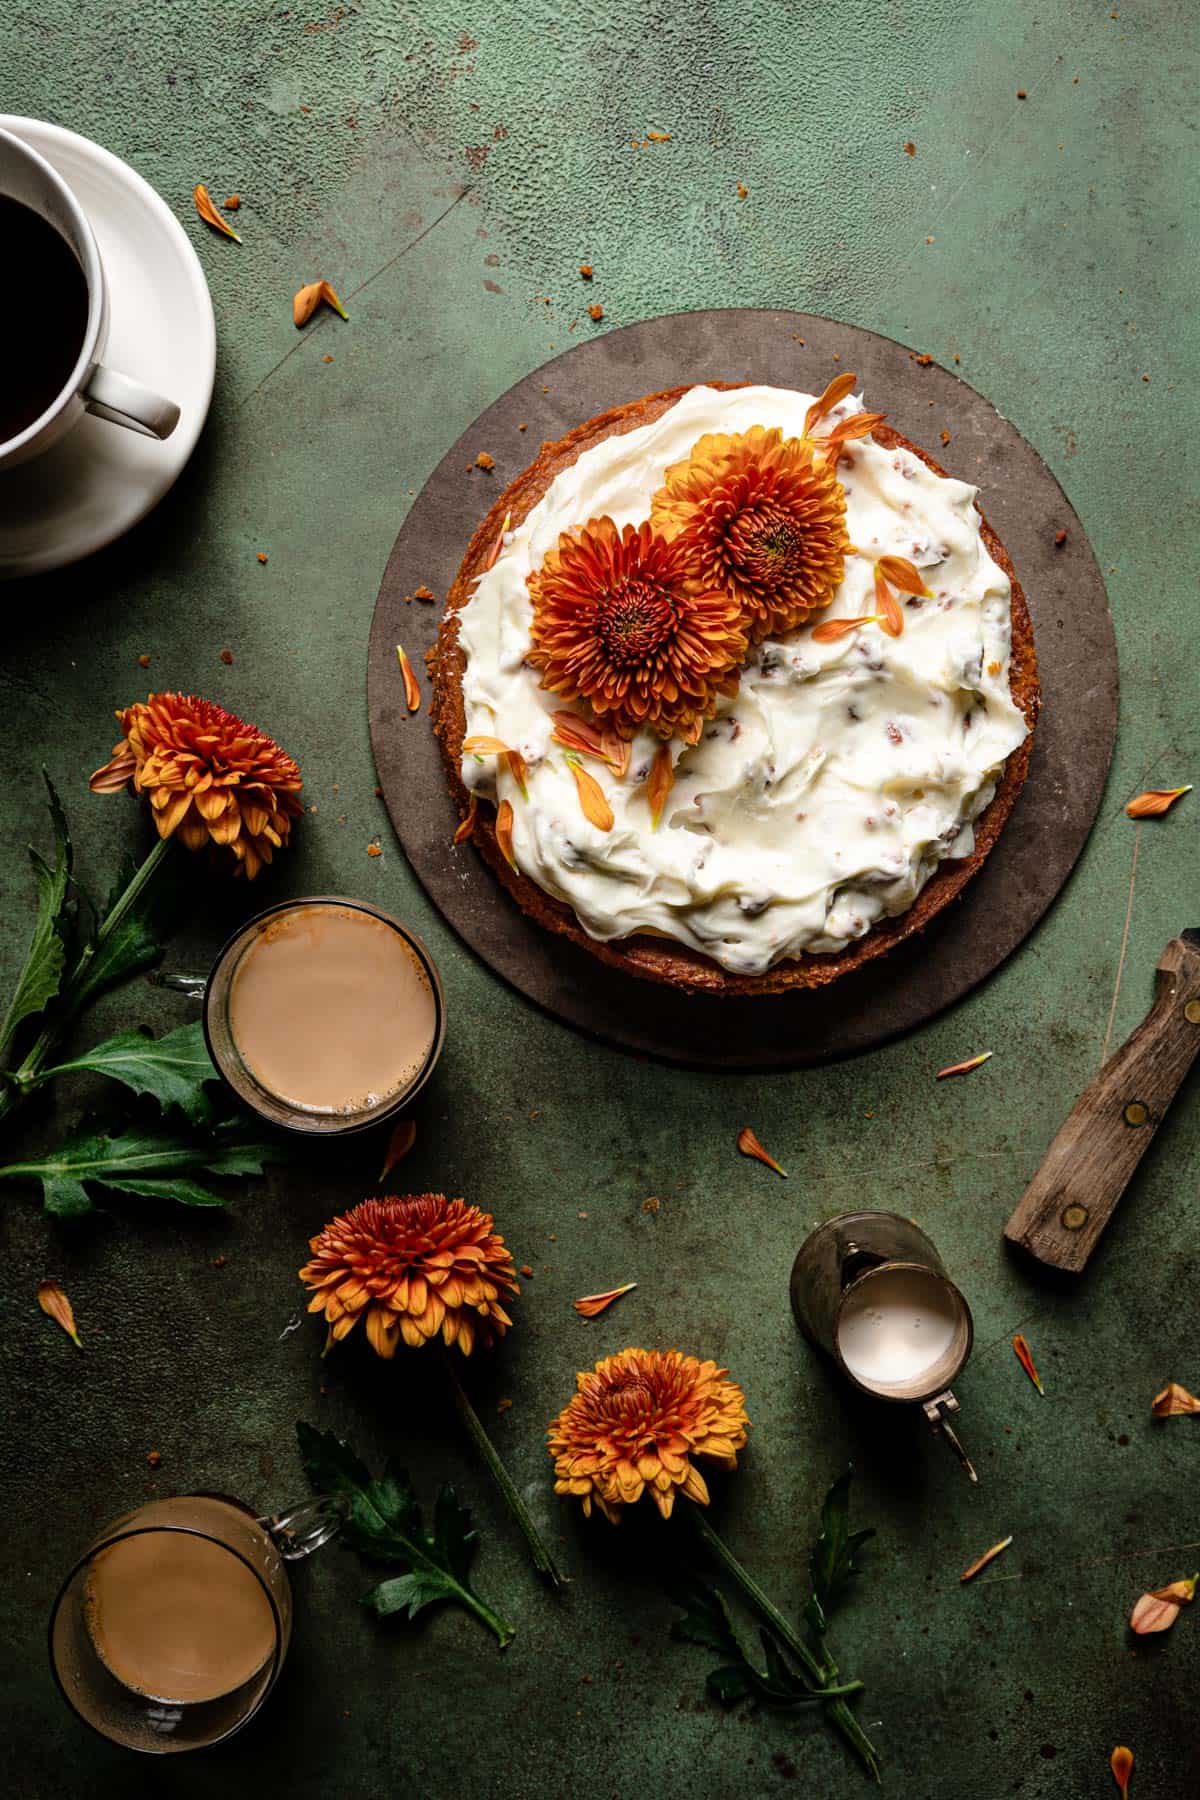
(659,959)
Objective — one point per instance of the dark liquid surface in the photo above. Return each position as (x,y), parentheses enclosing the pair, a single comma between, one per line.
(43,315)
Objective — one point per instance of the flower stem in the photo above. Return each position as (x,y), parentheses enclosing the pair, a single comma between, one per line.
(543,1562)
(23,1080)
(822,1675)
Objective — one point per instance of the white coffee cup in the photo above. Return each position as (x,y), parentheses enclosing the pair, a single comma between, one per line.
(90,387)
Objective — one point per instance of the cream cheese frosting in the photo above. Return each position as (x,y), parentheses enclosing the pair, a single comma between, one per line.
(824,794)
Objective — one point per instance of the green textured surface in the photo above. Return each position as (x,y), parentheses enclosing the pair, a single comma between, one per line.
(453,167)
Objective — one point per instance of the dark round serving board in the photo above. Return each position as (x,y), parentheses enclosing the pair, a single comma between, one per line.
(1076,654)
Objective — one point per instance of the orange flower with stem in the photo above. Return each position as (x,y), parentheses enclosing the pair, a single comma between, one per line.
(210,779)
(639,1425)
(417,1269)
(619,621)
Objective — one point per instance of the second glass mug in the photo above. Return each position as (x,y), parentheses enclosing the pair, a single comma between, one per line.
(148,1670)
(215,991)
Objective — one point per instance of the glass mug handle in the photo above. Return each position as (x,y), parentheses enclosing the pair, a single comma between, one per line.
(124,402)
(299,1530)
(191,985)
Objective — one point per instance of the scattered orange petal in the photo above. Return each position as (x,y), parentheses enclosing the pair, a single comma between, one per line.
(617,750)
(1121,1764)
(964,1068)
(467,827)
(498,546)
(1155,802)
(837,390)
(309,298)
(1025,1357)
(749,1145)
(579,735)
(891,618)
(903,575)
(482,745)
(856,426)
(412,692)
(56,1306)
(981,1562)
(833,629)
(591,796)
(504,825)
(1159,1609)
(659,783)
(209,213)
(591,1304)
(399,1144)
(1174,1399)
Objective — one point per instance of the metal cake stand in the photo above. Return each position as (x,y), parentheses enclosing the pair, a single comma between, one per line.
(1076,656)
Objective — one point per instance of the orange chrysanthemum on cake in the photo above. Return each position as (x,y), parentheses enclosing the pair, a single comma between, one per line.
(414,1268)
(762,517)
(209,776)
(619,621)
(636,1424)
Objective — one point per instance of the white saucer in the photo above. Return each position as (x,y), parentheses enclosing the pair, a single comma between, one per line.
(99,480)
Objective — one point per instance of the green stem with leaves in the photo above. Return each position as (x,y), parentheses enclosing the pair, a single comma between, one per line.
(543,1562)
(83,983)
(821,1672)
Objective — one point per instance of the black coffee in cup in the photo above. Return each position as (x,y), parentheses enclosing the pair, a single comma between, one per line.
(43,315)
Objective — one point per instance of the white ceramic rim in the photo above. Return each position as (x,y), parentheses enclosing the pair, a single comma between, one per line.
(93,274)
(204,326)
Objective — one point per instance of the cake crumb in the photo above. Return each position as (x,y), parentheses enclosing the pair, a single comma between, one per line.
(227,657)
(484,461)
(1021,94)
(1060,538)
(524,425)
(910,149)
(374,850)
(503,1406)
(218,1262)
(651,1203)
(423,593)
(923,362)
(262,556)
(327,358)
(233,202)
(742,190)
(143,661)
(595,311)
(586,270)
(958,359)
(154,1458)
(526,1271)
(945,437)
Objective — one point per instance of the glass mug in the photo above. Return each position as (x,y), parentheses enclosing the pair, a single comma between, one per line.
(315,1018)
(171,1629)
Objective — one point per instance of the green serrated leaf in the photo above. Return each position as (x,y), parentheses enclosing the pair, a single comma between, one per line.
(158,1164)
(173,1069)
(145,904)
(384,1524)
(833,1554)
(730,1683)
(41,976)
(706,1619)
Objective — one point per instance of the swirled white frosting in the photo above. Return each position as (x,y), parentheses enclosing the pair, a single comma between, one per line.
(824,794)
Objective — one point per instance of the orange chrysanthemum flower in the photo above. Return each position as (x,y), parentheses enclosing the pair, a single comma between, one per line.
(762,517)
(412,1268)
(210,777)
(618,621)
(634,1425)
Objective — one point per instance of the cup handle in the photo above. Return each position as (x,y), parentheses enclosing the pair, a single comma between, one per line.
(124,402)
(299,1530)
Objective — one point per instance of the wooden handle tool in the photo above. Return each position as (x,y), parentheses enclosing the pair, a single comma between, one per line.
(1088,1166)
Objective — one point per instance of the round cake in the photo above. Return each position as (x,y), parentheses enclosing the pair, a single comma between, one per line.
(735,687)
